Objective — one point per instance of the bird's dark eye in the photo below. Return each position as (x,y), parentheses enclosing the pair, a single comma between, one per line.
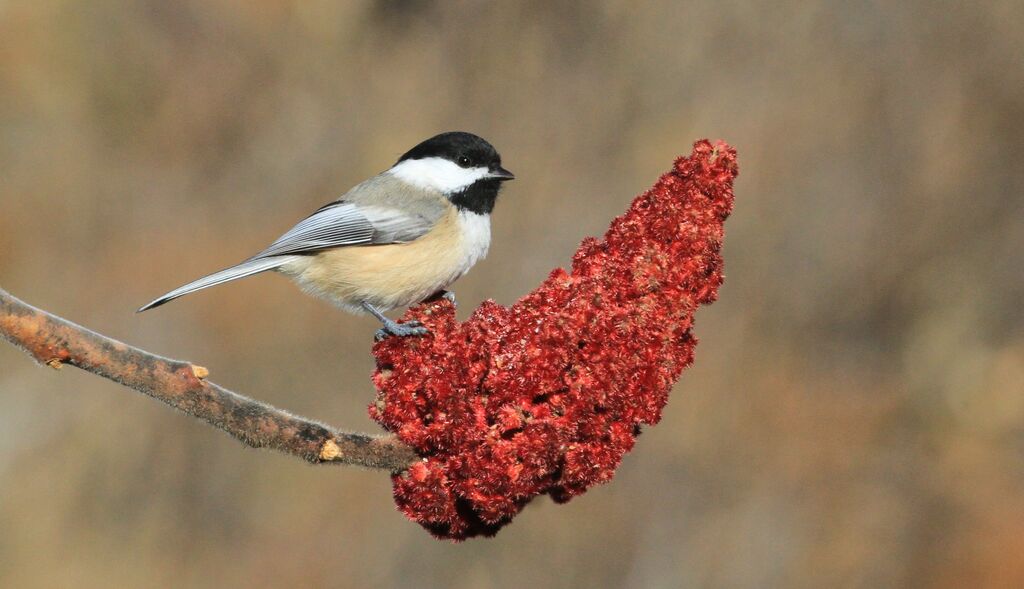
(464,161)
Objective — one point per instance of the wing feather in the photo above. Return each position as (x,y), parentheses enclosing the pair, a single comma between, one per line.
(343,223)
(334,225)
(395,216)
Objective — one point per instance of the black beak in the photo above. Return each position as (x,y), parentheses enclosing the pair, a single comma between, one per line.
(502,174)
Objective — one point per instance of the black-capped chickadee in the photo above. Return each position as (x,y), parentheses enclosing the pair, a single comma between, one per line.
(392,241)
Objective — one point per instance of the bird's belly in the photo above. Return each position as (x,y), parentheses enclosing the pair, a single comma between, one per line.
(394,275)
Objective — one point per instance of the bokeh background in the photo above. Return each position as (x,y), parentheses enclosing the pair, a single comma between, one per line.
(855,416)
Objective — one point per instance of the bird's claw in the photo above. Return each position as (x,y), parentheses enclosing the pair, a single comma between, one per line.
(400,330)
(450,297)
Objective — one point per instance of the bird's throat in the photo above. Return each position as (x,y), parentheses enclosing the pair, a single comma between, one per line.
(479,197)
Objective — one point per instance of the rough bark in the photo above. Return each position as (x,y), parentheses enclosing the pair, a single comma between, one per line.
(54,341)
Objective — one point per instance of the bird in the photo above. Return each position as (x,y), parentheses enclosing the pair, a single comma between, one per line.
(394,240)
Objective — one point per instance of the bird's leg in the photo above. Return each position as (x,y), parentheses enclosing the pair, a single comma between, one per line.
(393,327)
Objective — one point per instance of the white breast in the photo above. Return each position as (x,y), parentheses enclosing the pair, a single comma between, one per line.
(476,238)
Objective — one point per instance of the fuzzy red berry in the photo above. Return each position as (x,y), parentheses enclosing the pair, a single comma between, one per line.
(547,395)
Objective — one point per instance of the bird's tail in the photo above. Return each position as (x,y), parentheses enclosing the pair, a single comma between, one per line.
(247,268)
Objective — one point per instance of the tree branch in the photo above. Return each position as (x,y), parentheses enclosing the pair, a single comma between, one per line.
(54,341)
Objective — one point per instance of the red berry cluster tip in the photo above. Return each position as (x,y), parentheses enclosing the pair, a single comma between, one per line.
(547,395)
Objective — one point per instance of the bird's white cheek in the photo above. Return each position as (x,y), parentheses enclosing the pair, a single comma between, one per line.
(434,173)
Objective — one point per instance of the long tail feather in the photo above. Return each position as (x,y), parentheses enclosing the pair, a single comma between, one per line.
(247,268)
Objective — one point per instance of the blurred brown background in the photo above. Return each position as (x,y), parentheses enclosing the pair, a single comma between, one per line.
(855,416)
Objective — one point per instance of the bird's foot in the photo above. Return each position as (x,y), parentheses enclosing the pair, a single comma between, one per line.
(450,297)
(400,329)
(442,294)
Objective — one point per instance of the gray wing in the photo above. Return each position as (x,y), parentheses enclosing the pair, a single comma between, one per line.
(381,210)
(344,223)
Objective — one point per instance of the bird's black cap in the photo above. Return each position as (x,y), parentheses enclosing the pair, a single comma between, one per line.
(468,151)
(465,149)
